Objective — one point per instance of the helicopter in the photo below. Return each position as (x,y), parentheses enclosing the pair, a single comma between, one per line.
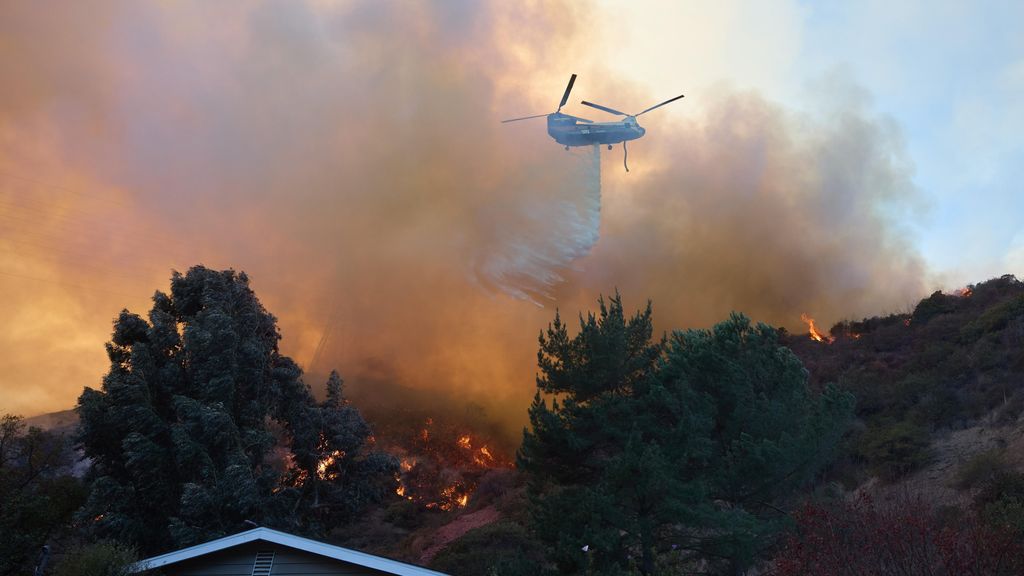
(569,130)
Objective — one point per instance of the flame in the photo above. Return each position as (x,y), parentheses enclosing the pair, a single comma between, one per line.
(425,432)
(964,292)
(451,498)
(440,463)
(401,490)
(322,466)
(484,458)
(813,332)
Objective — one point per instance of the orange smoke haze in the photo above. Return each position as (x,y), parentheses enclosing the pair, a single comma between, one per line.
(349,158)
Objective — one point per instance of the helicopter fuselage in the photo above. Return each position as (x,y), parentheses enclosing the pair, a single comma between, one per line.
(568,131)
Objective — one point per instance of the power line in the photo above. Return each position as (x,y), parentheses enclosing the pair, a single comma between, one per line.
(65,283)
(56,187)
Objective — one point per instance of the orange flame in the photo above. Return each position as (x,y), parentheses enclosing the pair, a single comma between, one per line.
(451,498)
(464,442)
(322,466)
(484,458)
(964,292)
(400,490)
(814,334)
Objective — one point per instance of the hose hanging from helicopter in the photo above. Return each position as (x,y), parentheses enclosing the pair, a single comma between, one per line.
(630,122)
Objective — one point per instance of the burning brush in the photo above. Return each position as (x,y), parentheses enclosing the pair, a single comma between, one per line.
(813,331)
(441,465)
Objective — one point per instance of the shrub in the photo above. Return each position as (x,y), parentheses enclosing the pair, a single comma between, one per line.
(1000,502)
(904,538)
(99,559)
(995,318)
(404,514)
(500,549)
(982,469)
(937,303)
(894,450)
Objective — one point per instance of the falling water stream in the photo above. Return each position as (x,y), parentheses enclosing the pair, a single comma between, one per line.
(528,265)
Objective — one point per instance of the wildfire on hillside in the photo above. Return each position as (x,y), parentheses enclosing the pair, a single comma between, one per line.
(964,292)
(441,465)
(813,331)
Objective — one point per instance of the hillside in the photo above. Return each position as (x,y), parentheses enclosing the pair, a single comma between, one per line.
(938,417)
(955,363)
(939,398)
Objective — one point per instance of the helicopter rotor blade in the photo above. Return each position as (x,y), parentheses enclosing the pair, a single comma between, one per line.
(565,97)
(605,108)
(523,118)
(578,119)
(670,100)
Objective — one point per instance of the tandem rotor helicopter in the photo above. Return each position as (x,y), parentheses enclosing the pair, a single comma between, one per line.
(569,130)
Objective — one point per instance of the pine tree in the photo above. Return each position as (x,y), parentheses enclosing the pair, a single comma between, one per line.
(668,451)
(182,435)
(768,433)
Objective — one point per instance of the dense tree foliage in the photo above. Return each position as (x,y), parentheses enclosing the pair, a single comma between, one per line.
(38,494)
(675,451)
(202,426)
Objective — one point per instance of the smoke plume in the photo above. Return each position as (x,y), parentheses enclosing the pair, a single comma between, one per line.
(349,158)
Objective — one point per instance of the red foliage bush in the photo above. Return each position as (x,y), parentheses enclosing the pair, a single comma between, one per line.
(906,538)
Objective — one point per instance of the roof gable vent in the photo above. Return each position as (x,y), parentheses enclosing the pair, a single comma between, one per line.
(264,562)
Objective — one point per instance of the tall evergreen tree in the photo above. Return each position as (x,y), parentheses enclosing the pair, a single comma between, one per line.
(182,434)
(669,451)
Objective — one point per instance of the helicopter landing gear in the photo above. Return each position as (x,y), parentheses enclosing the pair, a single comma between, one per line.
(609,146)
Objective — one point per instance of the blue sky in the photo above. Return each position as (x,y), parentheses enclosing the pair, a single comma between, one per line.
(952,76)
(949,75)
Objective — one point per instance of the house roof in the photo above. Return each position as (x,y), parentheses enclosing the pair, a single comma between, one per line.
(292,541)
